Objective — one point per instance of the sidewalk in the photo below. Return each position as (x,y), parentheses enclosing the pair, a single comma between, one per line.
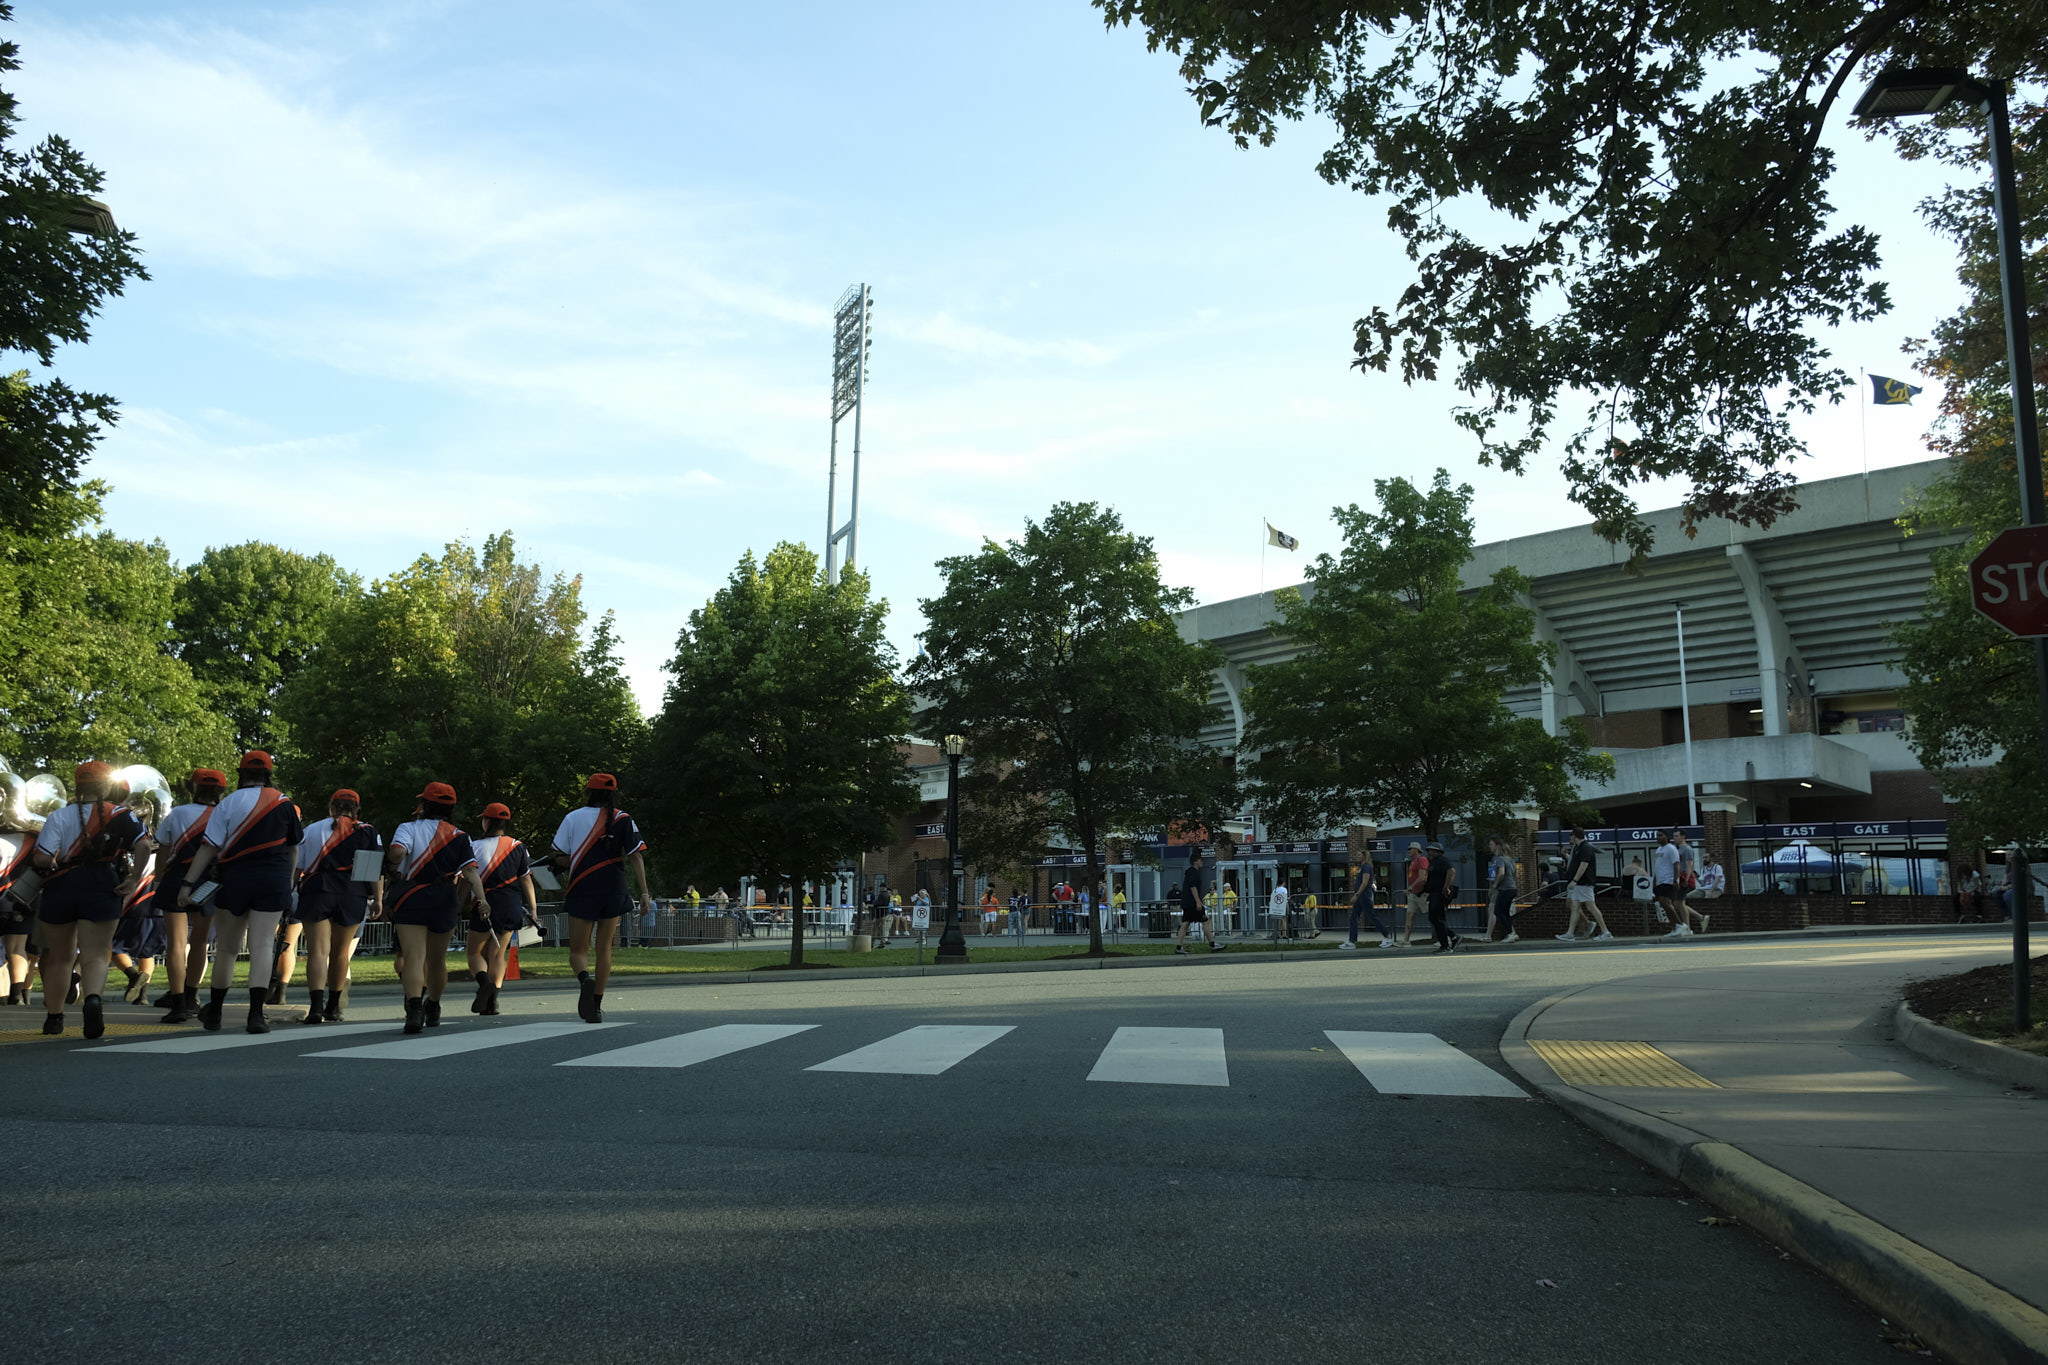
(1734,1078)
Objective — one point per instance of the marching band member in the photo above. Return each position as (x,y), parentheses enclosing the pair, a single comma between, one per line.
(332,904)
(79,854)
(508,905)
(139,933)
(179,839)
(429,855)
(593,844)
(251,844)
(138,939)
(16,848)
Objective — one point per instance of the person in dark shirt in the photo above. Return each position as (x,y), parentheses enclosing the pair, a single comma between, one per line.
(1437,886)
(1194,909)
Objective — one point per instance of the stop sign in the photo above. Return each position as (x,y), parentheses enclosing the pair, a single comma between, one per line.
(2009,580)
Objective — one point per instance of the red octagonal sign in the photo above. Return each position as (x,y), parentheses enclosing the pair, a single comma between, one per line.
(2009,580)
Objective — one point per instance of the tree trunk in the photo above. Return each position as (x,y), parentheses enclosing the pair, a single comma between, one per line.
(796,927)
(1094,910)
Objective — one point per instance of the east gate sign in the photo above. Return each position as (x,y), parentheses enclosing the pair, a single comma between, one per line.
(2009,580)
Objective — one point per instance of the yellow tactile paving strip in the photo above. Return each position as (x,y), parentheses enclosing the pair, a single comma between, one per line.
(72,1031)
(1618,1064)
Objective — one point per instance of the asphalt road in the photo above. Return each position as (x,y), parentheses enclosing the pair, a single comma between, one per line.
(262,1203)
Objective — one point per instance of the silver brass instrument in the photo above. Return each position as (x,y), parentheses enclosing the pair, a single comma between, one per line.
(149,795)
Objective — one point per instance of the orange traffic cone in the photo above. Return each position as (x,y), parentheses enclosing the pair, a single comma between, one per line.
(512,962)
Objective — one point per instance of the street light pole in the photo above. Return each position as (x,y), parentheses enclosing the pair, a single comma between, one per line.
(1923,90)
(1692,799)
(953,943)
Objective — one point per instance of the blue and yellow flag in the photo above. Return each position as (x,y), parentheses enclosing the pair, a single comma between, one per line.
(1891,391)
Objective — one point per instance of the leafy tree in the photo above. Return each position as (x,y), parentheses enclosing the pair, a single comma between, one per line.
(53,280)
(1970,689)
(248,618)
(85,667)
(1657,187)
(469,669)
(780,742)
(1395,704)
(1057,658)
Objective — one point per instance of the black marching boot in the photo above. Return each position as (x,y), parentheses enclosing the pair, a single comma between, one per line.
(414,1015)
(257,999)
(431,1008)
(333,1015)
(209,1013)
(95,1016)
(490,1002)
(53,1024)
(181,1008)
(316,1008)
(586,996)
(596,1015)
(483,990)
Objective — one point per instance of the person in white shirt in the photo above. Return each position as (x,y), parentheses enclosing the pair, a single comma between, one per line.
(1713,880)
(1670,857)
(1278,909)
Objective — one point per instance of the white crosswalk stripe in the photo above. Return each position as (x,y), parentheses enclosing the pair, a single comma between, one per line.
(447,1042)
(1420,1064)
(1163,1056)
(925,1050)
(221,1042)
(688,1049)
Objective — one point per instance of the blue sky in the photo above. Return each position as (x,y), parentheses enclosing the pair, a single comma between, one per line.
(432,270)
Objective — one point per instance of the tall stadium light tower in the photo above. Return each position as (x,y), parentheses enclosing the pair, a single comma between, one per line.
(851,337)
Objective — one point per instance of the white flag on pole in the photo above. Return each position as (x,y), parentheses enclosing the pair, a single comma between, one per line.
(1280,538)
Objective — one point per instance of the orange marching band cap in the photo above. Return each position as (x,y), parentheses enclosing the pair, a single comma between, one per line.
(497,810)
(601,782)
(208,777)
(254,761)
(344,794)
(92,770)
(438,791)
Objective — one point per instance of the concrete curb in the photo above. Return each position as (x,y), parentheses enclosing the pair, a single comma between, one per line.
(1989,1060)
(1963,1316)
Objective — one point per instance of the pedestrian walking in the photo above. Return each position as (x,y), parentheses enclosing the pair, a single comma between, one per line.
(1418,903)
(178,841)
(1670,857)
(332,903)
(1500,907)
(17,848)
(596,843)
(1361,904)
(429,858)
(1194,907)
(509,904)
(1439,886)
(1578,890)
(252,849)
(83,852)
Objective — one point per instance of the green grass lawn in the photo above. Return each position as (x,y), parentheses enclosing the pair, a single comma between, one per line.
(545,964)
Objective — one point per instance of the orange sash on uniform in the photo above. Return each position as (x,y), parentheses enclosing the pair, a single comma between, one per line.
(597,831)
(444,834)
(232,849)
(344,826)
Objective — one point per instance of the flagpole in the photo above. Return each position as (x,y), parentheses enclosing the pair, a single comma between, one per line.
(1266,534)
(1863,416)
